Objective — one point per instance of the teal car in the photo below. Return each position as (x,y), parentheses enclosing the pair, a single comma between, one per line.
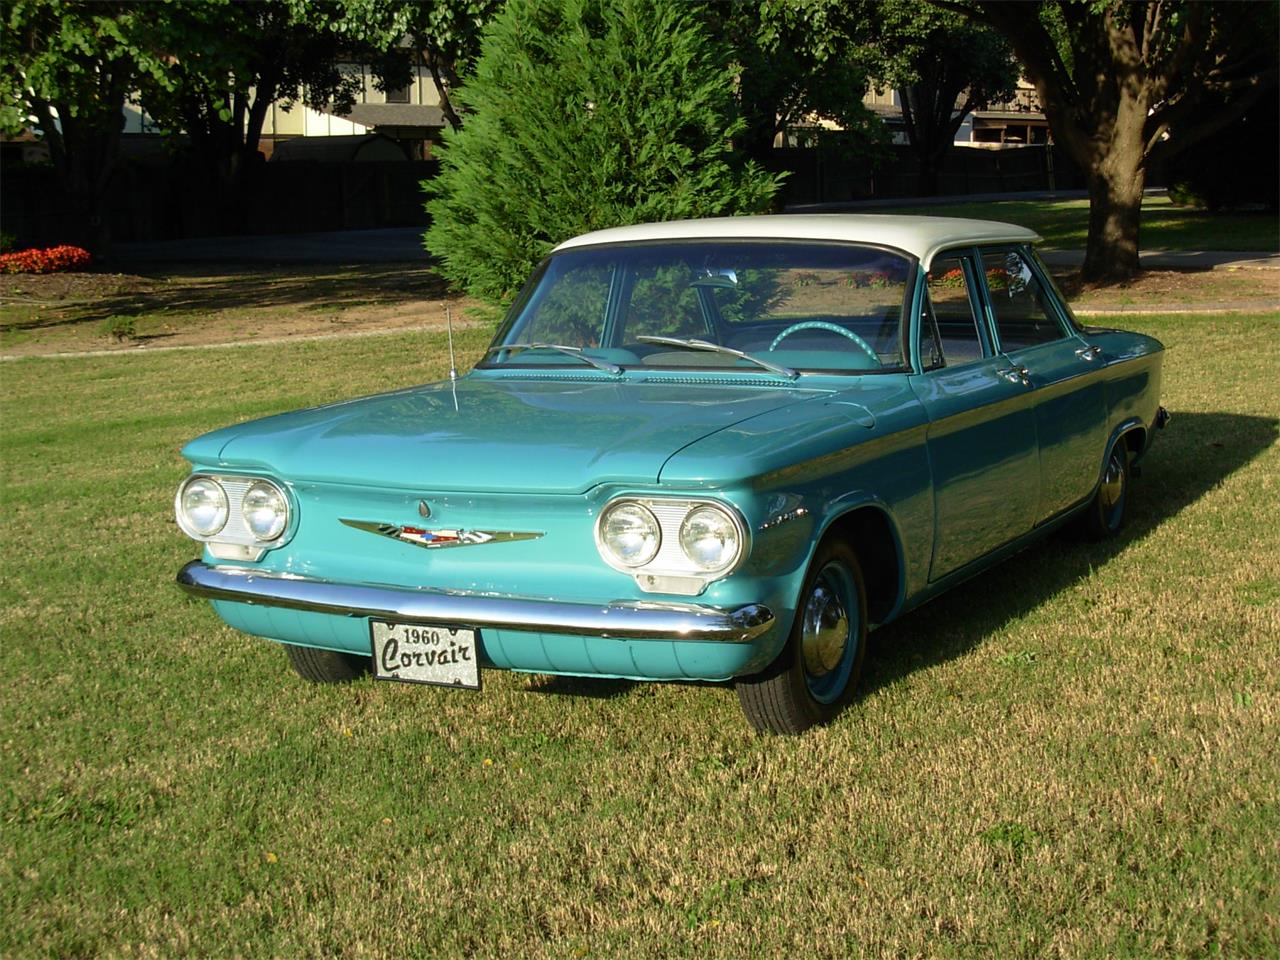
(714,450)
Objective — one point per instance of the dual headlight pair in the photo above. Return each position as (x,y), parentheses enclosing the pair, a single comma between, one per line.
(257,508)
(677,537)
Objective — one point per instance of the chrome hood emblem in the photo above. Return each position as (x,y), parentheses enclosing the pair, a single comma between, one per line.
(440,539)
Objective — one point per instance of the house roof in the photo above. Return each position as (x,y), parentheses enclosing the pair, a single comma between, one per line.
(922,237)
(395,115)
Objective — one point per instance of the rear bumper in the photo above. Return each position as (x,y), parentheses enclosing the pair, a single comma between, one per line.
(619,619)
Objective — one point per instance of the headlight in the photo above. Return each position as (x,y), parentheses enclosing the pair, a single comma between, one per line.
(266,512)
(202,507)
(630,533)
(710,538)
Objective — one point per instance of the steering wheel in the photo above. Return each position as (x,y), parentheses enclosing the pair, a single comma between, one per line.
(831,328)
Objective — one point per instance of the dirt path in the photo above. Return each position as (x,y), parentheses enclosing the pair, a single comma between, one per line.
(94,313)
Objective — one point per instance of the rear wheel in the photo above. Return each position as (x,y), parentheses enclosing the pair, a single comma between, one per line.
(815,675)
(1106,513)
(326,666)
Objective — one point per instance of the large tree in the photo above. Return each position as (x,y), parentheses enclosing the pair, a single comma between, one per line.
(586,114)
(800,60)
(1124,85)
(944,67)
(233,59)
(66,69)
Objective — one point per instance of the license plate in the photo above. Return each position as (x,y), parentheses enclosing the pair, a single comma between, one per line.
(422,653)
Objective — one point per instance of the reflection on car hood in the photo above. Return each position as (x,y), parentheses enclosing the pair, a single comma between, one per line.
(493,434)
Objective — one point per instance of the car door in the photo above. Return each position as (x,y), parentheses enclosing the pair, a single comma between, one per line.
(982,428)
(1062,370)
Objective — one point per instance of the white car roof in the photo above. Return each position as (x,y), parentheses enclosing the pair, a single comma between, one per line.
(922,237)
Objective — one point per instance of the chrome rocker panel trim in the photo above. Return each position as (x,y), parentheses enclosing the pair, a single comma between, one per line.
(619,619)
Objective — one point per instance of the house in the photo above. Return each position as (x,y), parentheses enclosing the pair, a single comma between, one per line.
(1015,122)
(411,116)
(1018,120)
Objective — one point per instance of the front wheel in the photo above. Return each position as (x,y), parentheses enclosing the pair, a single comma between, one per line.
(1106,513)
(326,666)
(815,675)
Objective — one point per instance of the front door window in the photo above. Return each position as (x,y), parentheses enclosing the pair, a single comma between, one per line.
(1023,315)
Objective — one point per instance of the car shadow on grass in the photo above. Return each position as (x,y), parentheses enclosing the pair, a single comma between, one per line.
(1190,458)
(598,688)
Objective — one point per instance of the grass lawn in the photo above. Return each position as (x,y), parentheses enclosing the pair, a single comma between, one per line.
(1064,224)
(1073,755)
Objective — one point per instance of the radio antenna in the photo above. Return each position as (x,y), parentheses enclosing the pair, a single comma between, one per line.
(448,321)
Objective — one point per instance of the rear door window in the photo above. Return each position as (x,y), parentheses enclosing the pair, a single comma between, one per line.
(958,336)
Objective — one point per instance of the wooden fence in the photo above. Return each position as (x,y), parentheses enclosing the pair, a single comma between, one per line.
(165,201)
(821,175)
(154,201)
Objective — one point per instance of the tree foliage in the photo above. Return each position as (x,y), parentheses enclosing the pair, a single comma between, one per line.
(1126,84)
(943,67)
(66,68)
(207,72)
(585,114)
(802,60)
(447,32)
(233,59)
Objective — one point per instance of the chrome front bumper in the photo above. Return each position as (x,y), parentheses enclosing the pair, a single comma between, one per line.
(619,619)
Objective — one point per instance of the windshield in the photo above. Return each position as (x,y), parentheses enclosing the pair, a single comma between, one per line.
(787,306)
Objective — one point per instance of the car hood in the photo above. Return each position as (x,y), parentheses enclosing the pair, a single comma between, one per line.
(496,433)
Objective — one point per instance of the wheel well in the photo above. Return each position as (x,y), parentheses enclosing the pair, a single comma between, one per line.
(868,533)
(1136,440)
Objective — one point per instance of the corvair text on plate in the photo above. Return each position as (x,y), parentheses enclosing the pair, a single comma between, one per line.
(417,653)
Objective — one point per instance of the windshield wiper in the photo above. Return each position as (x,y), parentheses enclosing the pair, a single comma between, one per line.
(559,348)
(727,351)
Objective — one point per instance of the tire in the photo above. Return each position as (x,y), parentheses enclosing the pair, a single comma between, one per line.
(1105,515)
(813,679)
(326,666)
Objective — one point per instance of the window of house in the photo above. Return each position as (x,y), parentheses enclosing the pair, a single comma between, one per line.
(404,94)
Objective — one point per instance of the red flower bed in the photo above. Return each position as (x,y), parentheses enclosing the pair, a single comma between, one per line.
(51,260)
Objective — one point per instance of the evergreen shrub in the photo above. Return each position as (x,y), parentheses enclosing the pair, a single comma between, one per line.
(585,114)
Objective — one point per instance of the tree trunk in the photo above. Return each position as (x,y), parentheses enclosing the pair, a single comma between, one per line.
(762,130)
(83,153)
(1115,208)
(928,179)
(445,78)
(1116,175)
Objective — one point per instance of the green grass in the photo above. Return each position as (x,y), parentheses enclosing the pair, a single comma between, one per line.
(1073,755)
(1064,224)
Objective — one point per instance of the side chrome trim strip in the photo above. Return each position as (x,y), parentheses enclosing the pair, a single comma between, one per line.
(619,619)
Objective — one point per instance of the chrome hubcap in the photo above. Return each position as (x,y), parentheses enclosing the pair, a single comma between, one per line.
(1112,492)
(826,633)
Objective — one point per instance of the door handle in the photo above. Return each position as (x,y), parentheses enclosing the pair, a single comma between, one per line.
(1017,375)
(1091,352)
